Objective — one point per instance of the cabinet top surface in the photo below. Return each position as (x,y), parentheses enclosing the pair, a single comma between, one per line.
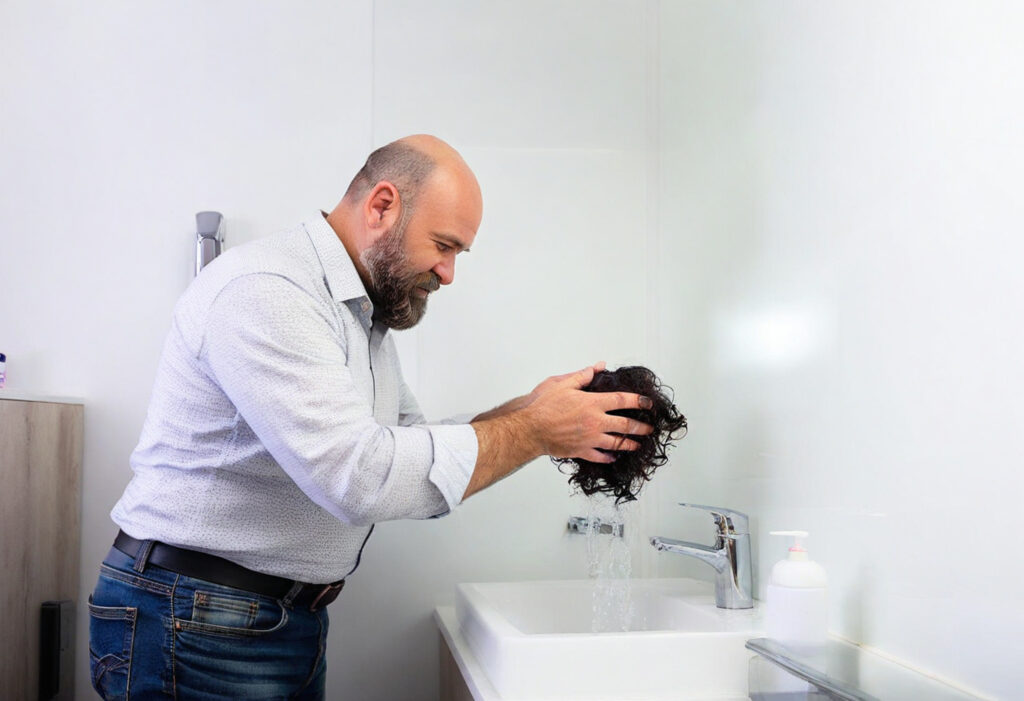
(25,395)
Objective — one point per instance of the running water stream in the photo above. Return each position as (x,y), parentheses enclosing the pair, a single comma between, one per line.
(610,564)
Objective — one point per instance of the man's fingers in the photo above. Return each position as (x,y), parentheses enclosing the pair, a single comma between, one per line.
(594,455)
(578,378)
(617,443)
(631,427)
(610,401)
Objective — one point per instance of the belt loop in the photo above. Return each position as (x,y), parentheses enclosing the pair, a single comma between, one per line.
(142,556)
(292,593)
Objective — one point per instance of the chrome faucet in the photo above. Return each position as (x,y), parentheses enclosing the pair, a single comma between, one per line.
(730,556)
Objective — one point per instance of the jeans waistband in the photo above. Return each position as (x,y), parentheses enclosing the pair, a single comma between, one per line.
(218,570)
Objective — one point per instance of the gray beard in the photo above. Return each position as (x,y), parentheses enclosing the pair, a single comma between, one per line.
(391,285)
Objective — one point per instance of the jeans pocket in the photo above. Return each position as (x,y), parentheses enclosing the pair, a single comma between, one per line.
(274,657)
(111,634)
(222,610)
(232,616)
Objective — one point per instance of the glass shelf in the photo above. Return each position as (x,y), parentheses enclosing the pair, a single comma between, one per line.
(840,670)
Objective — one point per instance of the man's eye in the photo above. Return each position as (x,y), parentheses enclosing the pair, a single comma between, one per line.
(443,248)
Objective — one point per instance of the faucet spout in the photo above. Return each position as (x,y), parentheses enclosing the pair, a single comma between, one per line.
(713,556)
(730,557)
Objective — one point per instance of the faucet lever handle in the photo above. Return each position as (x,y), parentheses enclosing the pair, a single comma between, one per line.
(728,521)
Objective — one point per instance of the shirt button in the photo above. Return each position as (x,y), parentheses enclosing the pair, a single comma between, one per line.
(366,306)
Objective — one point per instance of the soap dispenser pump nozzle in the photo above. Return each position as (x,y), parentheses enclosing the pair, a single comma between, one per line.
(796,551)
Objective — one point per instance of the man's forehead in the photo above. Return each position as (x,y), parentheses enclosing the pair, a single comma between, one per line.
(455,177)
(452,206)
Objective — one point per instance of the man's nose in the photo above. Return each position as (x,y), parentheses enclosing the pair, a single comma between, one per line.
(445,270)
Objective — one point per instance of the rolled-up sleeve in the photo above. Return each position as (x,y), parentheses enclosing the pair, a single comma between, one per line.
(281,359)
(455,452)
(455,445)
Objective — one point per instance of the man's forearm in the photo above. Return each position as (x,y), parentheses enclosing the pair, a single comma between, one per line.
(506,408)
(506,443)
(559,419)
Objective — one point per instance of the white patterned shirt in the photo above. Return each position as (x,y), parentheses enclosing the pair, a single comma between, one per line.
(280,428)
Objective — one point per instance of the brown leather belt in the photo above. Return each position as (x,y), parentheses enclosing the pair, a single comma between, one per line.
(211,568)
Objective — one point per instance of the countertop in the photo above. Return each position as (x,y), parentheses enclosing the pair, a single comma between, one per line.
(26,395)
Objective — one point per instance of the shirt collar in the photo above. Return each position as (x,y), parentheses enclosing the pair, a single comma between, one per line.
(340,273)
(343,281)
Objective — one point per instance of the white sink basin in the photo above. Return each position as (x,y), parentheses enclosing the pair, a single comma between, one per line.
(534,640)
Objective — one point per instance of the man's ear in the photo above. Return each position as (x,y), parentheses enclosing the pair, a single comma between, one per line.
(381,207)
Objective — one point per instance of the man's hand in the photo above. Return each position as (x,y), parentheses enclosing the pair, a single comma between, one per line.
(586,375)
(527,399)
(570,423)
(559,419)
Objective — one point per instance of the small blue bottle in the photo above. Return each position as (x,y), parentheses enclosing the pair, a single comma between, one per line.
(3,369)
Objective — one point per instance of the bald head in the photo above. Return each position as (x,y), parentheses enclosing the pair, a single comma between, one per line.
(409,163)
(409,211)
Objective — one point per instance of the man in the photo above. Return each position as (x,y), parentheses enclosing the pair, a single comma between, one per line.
(280,430)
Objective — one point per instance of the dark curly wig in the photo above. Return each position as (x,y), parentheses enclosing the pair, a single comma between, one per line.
(624,478)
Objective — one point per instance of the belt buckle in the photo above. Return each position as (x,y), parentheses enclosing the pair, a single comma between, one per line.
(328,594)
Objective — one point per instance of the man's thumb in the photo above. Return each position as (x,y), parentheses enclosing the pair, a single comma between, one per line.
(583,378)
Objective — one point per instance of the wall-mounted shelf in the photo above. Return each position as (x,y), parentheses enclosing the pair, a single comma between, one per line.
(851,673)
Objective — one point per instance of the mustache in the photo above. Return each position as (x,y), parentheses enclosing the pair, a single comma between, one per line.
(432,283)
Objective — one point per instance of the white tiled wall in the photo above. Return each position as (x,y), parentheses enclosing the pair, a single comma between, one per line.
(831,287)
(124,120)
(546,103)
(512,73)
(839,206)
(120,121)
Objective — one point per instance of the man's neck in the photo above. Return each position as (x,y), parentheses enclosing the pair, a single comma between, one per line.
(336,220)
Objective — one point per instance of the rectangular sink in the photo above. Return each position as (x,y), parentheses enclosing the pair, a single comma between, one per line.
(535,640)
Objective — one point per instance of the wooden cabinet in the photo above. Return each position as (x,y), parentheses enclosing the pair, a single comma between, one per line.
(40,514)
(453,684)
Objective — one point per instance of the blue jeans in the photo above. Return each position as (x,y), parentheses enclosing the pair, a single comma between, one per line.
(158,634)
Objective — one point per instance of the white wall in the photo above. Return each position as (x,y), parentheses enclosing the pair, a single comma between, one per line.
(840,172)
(553,122)
(121,120)
(124,119)
(841,241)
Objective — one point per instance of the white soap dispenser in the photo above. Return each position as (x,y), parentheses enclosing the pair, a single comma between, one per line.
(797,609)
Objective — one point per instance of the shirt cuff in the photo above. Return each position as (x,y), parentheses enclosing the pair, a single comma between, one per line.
(455,451)
(458,419)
